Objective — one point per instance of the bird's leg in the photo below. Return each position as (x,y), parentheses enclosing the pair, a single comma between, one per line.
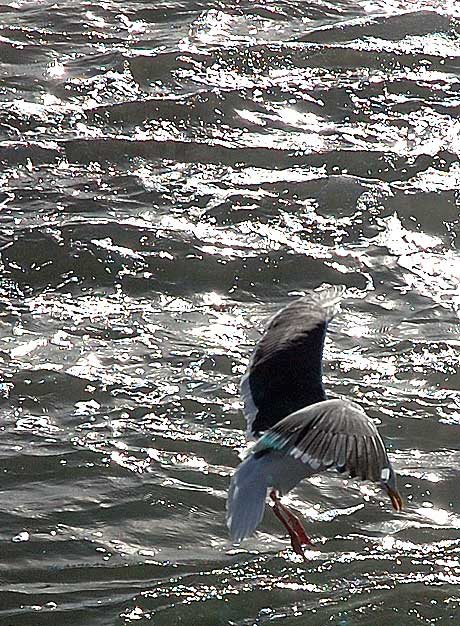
(292,524)
(290,521)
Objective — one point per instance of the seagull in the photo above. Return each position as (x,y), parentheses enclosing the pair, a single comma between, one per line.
(299,432)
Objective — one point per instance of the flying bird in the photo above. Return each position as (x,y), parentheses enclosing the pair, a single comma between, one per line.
(299,431)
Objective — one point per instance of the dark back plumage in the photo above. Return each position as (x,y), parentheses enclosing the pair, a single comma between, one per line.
(285,372)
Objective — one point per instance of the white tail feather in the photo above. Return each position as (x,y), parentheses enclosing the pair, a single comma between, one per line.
(246,498)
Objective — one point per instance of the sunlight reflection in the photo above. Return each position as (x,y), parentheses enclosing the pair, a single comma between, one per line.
(87,366)
(298,587)
(224,333)
(129,462)
(212,27)
(431,477)
(434,275)
(314,511)
(432,179)
(134,28)
(388,543)
(440,517)
(87,408)
(56,69)
(28,347)
(50,100)
(95,20)
(401,241)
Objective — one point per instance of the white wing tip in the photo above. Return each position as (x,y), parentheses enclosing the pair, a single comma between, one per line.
(330,295)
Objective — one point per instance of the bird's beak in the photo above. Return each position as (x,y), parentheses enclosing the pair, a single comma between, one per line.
(396,500)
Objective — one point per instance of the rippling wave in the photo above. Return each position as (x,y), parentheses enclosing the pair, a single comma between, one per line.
(172,175)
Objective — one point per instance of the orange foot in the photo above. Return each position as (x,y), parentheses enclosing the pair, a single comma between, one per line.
(292,524)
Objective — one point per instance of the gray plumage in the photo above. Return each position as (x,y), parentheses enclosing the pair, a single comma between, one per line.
(249,485)
(332,433)
(301,433)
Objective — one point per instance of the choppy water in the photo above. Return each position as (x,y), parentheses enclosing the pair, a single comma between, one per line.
(171,173)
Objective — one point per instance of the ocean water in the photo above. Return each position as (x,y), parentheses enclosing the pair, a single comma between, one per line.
(172,174)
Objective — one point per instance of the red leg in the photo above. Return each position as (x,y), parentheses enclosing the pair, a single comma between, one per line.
(290,520)
(292,524)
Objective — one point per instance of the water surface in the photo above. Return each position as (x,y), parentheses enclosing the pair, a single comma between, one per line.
(172,174)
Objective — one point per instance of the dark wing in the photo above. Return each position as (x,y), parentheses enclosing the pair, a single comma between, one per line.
(285,372)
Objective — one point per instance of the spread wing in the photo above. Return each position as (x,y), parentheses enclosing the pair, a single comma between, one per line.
(331,434)
(285,372)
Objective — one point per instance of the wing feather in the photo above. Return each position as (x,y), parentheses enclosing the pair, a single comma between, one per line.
(332,433)
(285,372)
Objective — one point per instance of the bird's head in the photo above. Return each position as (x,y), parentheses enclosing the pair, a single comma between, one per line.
(388,484)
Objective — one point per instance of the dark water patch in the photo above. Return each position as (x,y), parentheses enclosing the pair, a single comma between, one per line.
(385,166)
(415,209)
(50,386)
(199,110)
(16,153)
(392,27)
(16,53)
(347,58)
(147,69)
(117,150)
(252,273)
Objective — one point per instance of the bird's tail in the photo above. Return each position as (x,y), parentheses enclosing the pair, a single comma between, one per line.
(246,498)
